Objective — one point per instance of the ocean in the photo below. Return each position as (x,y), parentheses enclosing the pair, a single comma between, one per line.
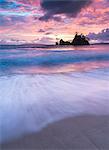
(39,86)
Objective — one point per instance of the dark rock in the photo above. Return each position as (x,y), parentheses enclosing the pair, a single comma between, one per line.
(78,40)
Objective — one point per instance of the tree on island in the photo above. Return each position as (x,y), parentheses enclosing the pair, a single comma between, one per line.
(79,39)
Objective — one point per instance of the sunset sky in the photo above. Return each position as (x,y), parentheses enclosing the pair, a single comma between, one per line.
(44,21)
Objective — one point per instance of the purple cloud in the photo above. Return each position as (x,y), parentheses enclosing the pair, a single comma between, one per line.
(69,8)
(101,36)
(10,20)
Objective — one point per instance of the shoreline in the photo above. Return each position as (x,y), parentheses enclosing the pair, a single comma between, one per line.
(81,96)
(22,101)
(81,132)
(10,46)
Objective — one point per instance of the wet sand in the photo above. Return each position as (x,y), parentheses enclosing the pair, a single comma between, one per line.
(55,112)
(89,132)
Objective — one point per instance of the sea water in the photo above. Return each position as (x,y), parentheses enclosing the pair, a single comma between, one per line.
(39,86)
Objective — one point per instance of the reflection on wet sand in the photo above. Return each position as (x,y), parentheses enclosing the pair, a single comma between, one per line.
(78,67)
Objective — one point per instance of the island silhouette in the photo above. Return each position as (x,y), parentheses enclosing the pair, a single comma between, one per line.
(79,39)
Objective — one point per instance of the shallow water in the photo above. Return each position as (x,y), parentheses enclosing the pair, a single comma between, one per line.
(53,60)
(40,86)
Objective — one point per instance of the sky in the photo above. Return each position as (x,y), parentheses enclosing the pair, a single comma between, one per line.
(47,21)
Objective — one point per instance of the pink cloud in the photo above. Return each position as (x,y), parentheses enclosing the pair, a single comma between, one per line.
(23,22)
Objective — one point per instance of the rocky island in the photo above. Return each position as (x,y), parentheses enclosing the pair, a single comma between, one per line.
(79,39)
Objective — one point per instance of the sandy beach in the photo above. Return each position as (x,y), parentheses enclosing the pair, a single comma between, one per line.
(75,133)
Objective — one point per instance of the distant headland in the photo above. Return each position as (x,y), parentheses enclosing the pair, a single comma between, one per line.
(79,39)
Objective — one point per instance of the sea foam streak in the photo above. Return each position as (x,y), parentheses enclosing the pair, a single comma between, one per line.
(29,102)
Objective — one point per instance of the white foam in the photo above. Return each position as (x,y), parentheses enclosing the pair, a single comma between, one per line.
(30,102)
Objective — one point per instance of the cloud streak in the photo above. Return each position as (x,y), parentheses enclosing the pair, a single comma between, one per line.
(101,36)
(7,4)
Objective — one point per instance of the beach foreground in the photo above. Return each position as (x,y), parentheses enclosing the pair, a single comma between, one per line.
(82,132)
(54,99)
(55,111)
